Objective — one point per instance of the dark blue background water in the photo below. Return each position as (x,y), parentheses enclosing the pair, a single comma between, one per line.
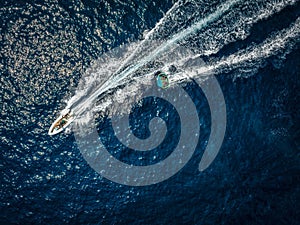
(45,47)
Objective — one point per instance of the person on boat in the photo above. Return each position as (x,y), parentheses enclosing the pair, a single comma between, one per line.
(63,122)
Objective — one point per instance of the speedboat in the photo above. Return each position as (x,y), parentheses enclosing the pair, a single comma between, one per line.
(65,119)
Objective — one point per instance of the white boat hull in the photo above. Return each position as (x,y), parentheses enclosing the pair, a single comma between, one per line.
(57,125)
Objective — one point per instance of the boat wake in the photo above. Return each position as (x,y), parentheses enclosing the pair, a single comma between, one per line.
(193,31)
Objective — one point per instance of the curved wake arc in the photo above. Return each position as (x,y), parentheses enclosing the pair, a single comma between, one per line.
(114,79)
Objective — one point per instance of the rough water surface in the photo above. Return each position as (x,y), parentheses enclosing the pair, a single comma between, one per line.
(252,49)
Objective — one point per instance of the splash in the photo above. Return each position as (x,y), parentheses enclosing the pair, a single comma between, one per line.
(279,43)
(133,81)
(127,64)
(121,73)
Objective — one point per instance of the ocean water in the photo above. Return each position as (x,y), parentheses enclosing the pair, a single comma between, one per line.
(57,54)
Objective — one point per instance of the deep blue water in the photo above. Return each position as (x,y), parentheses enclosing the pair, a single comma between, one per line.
(45,49)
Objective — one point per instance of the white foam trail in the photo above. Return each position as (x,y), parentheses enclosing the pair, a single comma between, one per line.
(173,40)
(211,38)
(280,41)
(242,19)
(273,8)
(147,37)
